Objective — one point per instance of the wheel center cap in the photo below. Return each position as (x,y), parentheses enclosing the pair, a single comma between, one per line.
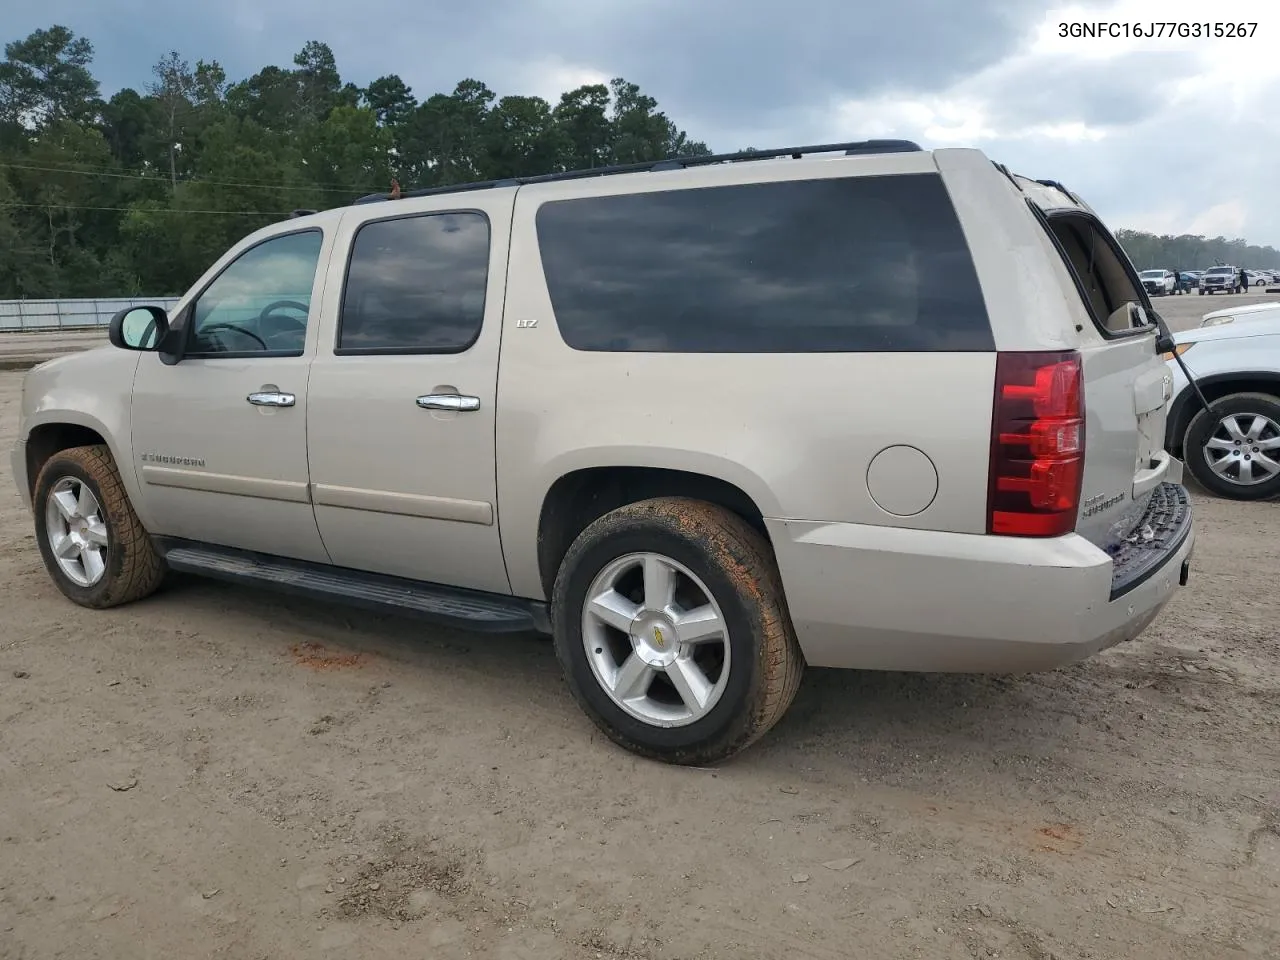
(655,640)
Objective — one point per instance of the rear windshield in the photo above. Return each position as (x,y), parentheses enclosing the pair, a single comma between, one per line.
(875,264)
(1102,277)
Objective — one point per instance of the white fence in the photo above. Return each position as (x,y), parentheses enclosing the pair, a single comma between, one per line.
(68,314)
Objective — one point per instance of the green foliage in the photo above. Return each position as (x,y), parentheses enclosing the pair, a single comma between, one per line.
(142,193)
(1150,252)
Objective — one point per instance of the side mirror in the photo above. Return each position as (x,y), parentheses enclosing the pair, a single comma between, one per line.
(138,328)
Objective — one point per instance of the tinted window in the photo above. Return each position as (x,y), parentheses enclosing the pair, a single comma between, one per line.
(260,302)
(416,285)
(865,264)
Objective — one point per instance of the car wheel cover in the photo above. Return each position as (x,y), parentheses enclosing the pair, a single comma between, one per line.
(656,640)
(1244,449)
(77,531)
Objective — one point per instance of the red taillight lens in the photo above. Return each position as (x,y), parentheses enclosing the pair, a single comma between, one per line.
(1037,445)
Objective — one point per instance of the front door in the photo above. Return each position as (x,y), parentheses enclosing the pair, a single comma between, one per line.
(401,413)
(220,437)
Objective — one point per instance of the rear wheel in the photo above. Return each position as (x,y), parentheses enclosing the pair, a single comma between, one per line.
(93,544)
(672,630)
(1233,448)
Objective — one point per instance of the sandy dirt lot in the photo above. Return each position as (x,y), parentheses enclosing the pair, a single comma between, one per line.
(220,773)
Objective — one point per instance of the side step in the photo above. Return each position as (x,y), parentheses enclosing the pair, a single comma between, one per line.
(449,606)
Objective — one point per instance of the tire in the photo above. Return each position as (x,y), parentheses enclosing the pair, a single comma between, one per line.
(126,567)
(1208,424)
(760,660)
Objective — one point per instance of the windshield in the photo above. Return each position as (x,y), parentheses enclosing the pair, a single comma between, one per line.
(1152,274)
(1222,270)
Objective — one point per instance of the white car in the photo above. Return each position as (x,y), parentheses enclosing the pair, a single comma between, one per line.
(1234,356)
(1159,283)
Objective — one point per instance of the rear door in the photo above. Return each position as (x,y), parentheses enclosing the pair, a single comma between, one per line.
(1126,383)
(401,414)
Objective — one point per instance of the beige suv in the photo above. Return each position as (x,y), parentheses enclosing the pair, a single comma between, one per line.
(704,422)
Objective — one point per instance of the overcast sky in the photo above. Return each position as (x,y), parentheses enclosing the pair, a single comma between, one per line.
(1162,135)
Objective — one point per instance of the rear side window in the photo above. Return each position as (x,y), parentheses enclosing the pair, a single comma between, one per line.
(1102,280)
(416,285)
(839,265)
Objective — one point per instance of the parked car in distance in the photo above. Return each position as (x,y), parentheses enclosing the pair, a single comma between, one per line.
(1220,280)
(324,411)
(1158,283)
(1258,278)
(1233,449)
(1190,280)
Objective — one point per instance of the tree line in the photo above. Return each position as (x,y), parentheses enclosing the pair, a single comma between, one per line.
(137,194)
(1186,252)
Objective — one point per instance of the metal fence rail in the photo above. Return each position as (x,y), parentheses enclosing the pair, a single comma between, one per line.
(35,315)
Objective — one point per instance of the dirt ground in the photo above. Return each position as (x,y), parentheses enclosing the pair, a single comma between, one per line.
(217,772)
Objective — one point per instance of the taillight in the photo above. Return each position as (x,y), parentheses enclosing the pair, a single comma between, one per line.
(1037,444)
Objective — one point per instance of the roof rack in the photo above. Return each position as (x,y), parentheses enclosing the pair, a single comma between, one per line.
(673,163)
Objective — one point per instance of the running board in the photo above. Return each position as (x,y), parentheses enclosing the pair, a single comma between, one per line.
(448,606)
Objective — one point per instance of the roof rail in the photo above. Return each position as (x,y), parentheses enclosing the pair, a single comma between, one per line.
(672,163)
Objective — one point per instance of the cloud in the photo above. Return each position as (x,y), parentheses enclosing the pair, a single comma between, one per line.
(1172,135)
(1159,133)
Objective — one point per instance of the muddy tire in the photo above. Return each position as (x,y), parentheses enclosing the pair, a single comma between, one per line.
(1233,447)
(673,632)
(93,544)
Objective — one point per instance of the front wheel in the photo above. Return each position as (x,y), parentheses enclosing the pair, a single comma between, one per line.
(93,544)
(672,630)
(1233,448)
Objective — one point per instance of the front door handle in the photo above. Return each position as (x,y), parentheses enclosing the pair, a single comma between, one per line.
(272,398)
(449,401)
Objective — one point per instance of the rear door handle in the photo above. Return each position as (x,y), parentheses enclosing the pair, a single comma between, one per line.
(272,398)
(449,401)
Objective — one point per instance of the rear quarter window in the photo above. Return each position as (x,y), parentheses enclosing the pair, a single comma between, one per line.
(867,264)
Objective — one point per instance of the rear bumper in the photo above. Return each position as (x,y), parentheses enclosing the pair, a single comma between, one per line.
(18,461)
(883,598)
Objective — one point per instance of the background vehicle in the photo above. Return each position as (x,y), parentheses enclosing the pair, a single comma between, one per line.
(325,411)
(1191,280)
(1233,449)
(1258,278)
(1244,312)
(1158,283)
(1220,280)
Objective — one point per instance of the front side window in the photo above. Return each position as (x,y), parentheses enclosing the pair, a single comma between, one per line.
(416,285)
(875,263)
(261,301)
